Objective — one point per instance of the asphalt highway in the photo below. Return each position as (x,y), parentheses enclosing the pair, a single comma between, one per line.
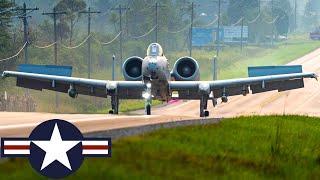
(304,101)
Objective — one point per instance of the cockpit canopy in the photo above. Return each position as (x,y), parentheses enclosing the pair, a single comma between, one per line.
(154,49)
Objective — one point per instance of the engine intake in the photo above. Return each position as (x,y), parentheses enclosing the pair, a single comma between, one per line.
(132,69)
(186,69)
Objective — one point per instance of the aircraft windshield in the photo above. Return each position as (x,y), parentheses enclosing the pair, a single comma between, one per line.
(154,50)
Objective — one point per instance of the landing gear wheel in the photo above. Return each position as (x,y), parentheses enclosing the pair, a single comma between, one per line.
(148,109)
(111,112)
(206,113)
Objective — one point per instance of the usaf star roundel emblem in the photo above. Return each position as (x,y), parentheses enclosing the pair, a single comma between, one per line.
(56,148)
(54,156)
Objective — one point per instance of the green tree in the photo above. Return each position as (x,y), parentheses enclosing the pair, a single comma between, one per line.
(312,11)
(6,14)
(242,8)
(72,7)
(281,11)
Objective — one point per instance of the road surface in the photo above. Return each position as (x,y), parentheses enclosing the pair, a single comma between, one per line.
(304,101)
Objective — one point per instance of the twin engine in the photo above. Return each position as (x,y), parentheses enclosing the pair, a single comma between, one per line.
(186,69)
(132,69)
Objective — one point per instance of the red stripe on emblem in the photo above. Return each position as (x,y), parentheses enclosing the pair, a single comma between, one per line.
(16,147)
(95,147)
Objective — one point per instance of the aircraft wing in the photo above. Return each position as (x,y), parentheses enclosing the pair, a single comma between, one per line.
(261,79)
(57,78)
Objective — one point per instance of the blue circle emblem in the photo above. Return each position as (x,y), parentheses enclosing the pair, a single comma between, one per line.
(56,148)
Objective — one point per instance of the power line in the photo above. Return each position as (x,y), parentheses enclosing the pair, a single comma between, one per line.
(242,18)
(144,35)
(180,30)
(17,54)
(77,46)
(107,43)
(255,19)
(210,23)
(45,46)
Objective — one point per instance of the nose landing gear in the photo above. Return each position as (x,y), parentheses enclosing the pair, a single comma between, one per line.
(203,106)
(148,109)
(147,95)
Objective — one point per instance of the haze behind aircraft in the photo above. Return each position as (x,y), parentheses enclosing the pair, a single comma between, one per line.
(150,78)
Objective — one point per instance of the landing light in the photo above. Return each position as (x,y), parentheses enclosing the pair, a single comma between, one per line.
(146,95)
(148,85)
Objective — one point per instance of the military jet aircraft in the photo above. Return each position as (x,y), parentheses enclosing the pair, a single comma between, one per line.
(150,78)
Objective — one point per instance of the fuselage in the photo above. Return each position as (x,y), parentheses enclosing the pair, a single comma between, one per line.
(155,70)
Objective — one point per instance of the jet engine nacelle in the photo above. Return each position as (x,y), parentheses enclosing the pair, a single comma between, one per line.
(186,69)
(132,69)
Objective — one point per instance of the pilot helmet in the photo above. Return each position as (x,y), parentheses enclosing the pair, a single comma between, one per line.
(154,49)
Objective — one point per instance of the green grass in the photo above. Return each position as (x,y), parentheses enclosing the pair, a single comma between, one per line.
(280,147)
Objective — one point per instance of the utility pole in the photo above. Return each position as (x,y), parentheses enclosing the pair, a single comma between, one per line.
(157,6)
(89,12)
(156,21)
(295,15)
(121,9)
(113,64)
(218,31)
(242,21)
(214,68)
(191,27)
(272,22)
(25,28)
(127,24)
(259,6)
(54,14)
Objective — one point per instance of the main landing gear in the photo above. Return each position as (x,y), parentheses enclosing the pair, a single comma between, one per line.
(114,105)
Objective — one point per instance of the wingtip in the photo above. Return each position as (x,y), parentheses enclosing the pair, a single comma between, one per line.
(315,76)
(3,74)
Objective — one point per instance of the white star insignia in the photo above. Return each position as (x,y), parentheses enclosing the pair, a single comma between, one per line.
(56,149)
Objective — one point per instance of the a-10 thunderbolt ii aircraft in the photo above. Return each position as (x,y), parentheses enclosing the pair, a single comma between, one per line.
(150,78)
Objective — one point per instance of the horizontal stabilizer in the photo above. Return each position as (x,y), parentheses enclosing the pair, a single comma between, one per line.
(46,69)
(273,70)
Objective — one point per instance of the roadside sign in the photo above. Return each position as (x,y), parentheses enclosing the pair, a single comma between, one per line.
(202,36)
(205,36)
(232,34)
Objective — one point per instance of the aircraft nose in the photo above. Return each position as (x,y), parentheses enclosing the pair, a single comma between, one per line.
(152,66)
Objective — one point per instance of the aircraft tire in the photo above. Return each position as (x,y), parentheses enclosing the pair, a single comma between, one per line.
(148,109)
